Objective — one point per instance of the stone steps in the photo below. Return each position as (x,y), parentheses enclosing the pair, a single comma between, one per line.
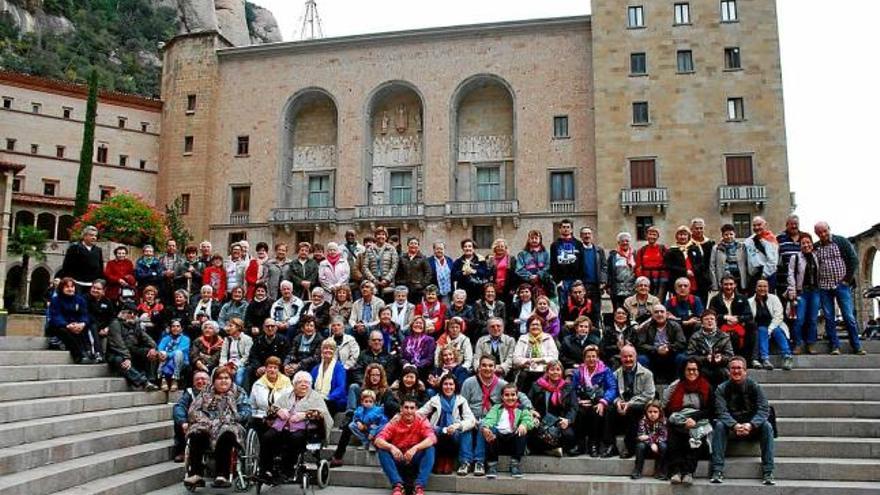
(61,388)
(843,361)
(826,409)
(812,391)
(58,450)
(23,410)
(36,430)
(818,375)
(140,480)
(24,358)
(53,478)
(23,343)
(828,427)
(52,372)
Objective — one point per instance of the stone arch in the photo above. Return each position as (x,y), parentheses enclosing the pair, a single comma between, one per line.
(46,221)
(492,140)
(40,278)
(13,280)
(24,217)
(65,224)
(309,144)
(395,140)
(867,271)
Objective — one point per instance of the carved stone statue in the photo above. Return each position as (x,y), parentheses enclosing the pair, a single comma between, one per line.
(417,120)
(402,120)
(386,122)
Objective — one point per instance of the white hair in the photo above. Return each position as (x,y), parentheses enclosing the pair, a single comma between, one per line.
(624,235)
(302,376)
(287,283)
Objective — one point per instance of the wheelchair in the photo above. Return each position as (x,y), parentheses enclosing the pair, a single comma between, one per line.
(243,464)
(310,470)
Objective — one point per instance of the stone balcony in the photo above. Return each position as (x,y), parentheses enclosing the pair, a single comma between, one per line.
(303,215)
(562,207)
(405,214)
(750,194)
(239,218)
(498,209)
(655,197)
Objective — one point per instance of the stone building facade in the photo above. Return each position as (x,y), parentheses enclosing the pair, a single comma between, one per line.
(483,131)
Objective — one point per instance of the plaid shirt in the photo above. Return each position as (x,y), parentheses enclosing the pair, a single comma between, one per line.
(832,267)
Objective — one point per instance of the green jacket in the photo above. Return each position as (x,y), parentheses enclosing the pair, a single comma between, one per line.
(521,417)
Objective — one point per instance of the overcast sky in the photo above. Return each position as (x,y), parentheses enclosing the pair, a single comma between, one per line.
(831,106)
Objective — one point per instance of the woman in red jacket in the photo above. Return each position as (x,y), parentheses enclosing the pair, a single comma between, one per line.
(119,273)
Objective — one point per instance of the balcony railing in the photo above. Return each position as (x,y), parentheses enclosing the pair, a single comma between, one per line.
(411,210)
(303,215)
(656,197)
(562,207)
(482,208)
(239,218)
(729,195)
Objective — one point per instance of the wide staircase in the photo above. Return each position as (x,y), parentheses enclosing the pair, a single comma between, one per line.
(74,429)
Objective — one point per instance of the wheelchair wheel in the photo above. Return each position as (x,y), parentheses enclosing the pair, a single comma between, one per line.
(240,483)
(322,475)
(251,458)
(258,486)
(305,482)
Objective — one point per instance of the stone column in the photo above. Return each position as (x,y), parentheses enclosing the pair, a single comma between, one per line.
(5,224)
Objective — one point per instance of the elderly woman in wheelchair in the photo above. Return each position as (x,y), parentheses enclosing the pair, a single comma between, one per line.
(216,431)
(306,421)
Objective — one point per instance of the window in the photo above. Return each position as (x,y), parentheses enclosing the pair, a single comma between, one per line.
(739,171)
(188,144)
(7,102)
(66,112)
(742,224)
(642,174)
(305,236)
(184,204)
(145,126)
(123,160)
(16,184)
(483,236)
(59,152)
(237,236)
(36,107)
(685,61)
(143,164)
(319,191)
(241,199)
(49,187)
(243,145)
(35,148)
(735,109)
(682,13)
(488,184)
(636,16)
(102,153)
(642,224)
(120,122)
(65,224)
(401,188)
(561,186)
(106,192)
(728,11)
(638,64)
(640,113)
(731,58)
(46,221)
(10,144)
(560,126)
(190,103)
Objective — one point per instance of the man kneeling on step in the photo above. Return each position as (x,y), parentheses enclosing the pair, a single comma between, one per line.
(742,413)
(407,443)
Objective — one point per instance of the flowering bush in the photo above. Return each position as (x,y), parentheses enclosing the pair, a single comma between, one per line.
(124,218)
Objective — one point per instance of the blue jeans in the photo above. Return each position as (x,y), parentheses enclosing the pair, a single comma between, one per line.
(453,442)
(764,342)
(843,295)
(807,316)
(354,395)
(241,375)
(468,452)
(424,460)
(720,435)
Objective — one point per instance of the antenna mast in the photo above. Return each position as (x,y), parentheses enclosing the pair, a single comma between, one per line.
(311,22)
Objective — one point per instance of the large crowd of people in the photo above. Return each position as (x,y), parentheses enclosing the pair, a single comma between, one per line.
(442,364)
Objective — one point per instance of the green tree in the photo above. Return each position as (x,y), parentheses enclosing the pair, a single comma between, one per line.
(84,179)
(176,226)
(28,242)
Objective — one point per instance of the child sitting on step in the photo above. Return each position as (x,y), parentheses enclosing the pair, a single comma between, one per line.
(369,419)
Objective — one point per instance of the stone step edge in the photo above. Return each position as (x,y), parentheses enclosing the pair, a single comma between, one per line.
(81,437)
(67,398)
(155,476)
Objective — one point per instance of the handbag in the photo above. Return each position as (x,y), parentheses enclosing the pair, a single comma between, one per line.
(549,432)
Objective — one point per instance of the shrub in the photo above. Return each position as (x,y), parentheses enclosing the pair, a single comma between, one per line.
(125,218)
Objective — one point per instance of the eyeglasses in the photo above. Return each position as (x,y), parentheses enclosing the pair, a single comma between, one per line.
(271,326)
(692,370)
(376,340)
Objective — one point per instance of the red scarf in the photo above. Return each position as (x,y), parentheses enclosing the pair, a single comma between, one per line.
(487,392)
(698,386)
(554,389)
(333,259)
(511,414)
(218,343)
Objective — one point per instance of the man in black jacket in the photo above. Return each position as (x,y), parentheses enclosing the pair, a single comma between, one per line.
(269,343)
(374,353)
(84,261)
(742,411)
(130,350)
(734,317)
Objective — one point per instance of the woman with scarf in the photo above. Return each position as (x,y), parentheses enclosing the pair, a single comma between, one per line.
(375,380)
(571,349)
(205,350)
(418,347)
(329,378)
(552,399)
(236,307)
(683,259)
(642,302)
(390,331)
(689,405)
(533,265)
(408,385)
(319,308)
(650,262)
(150,312)
(433,311)
(544,310)
(454,337)
(451,416)
(449,366)
(594,388)
(216,419)
(173,356)
(502,270)
(533,352)
(179,310)
(522,308)
(469,272)
(236,350)
(621,270)
(621,333)
(148,269)
(306,411)
(119,273)
(334,271)
(258,310)
(342,303)
(269,394)
(305,348)
(461,309)
(68,319)
(402,311)
(256,271)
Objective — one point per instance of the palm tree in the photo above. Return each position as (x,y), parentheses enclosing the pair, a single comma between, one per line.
(28,242)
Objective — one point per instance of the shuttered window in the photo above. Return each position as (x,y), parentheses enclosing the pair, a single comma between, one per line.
(739,171)
(642,174)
